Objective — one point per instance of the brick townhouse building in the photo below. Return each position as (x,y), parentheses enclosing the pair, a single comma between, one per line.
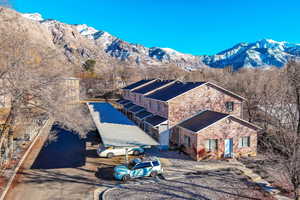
(210,134)
(165,104)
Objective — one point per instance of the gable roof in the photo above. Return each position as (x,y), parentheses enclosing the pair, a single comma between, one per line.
(124,102)
(136,108)
(202,120)
(155,120)
(206,118)
(151,86)
(137,84)
(119,100)
(143,114)
(174,90)
(129,105)
(226,91)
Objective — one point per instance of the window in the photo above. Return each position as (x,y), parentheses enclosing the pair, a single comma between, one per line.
(2,101)
(155,163)
(140,97)
(158,107)
(244,141)
(211,145)
(229,106)
(187,141)
(143,165)
(150,105)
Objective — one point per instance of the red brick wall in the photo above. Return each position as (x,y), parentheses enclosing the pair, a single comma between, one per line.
(200,98)
(161,110)
(220,131)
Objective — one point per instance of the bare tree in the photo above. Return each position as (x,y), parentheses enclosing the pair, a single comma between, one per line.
(282,140)
(35,79)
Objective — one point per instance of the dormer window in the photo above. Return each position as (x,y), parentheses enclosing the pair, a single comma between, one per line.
(229,106)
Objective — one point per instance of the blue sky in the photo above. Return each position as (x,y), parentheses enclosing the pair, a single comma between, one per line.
(190,26)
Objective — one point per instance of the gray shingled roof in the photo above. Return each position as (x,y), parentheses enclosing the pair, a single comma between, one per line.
(137,84)
(119,100)
(151,86)
(125,102)
(127,106)
(174,90)
(202,120)
(136,109)
(143,114)
(155,120)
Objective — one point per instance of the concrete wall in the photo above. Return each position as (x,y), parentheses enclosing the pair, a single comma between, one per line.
(201,98)
(224,129)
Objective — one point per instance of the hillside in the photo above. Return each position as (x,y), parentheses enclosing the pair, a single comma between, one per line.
(80,42)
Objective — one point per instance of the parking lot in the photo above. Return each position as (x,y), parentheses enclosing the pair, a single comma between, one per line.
(66,168)
(69,168)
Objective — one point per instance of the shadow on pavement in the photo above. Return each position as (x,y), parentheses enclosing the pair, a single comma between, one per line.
(105,173)
(67,151)
(91,153)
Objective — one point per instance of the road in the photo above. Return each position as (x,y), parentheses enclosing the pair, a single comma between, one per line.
(67,168)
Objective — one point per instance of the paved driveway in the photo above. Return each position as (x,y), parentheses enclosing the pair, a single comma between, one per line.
(66,168)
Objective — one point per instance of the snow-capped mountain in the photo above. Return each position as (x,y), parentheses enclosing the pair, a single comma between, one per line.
(34,16)
(80,42)
(105,43)
(265,52)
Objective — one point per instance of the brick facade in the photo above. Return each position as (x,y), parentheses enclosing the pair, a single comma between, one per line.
(157,107)
(225,129)
(201,98)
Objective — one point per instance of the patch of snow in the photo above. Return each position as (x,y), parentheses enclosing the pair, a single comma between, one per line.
(33,16)
(85,30)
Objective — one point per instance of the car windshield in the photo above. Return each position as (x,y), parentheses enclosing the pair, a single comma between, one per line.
(133,163)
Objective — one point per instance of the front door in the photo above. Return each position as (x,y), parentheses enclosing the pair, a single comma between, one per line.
(228,148)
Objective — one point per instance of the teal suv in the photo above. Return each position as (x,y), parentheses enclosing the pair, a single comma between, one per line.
(138,168)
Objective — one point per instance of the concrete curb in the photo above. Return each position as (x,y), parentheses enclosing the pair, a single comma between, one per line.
(48,122)
(103,195)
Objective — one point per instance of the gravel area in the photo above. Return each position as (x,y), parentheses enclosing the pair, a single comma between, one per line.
(225,184)
(177,160)
(270,171)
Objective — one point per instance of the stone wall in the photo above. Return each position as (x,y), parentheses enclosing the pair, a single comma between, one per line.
(201,98)
(222,130)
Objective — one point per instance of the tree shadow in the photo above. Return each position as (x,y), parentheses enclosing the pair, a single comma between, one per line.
(67,151)
(91,153)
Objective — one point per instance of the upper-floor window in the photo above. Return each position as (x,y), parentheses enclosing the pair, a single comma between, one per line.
(140,98)
(211,144)
(2,101)
(229,106)
(150,104)
(244,141)
(158,107)
(187,141)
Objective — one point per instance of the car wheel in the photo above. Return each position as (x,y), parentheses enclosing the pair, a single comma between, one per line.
(153,174)
(136,152)
(109,155)
(125,178)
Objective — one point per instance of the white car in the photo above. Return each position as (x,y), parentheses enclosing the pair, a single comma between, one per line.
(118,151)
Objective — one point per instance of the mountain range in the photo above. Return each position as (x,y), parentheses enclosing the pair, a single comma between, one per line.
(80,42)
